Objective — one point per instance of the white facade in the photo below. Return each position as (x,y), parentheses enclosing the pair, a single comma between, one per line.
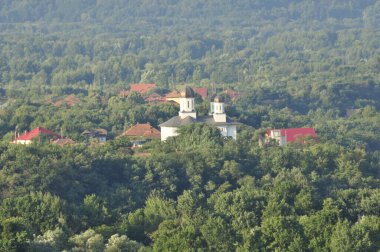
(276,134)
(220,117)
(231,131)
(102,139)
(218,108)
(168,132)
(228,131)
(187,107)
(26,142)
(187,115)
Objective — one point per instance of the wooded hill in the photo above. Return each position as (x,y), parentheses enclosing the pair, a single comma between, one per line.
(295,64)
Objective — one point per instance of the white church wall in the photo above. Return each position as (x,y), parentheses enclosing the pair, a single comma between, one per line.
(231,131)
(223,131)
(168,132)
(220,117)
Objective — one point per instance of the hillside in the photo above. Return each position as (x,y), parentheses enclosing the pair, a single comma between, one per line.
(67,66)
(125,15)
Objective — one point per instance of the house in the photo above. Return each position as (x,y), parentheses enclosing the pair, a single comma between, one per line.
(142,88)
(124,93)
(234,95)
(70,101)
(63,141)
(284,136)
(141,133)
(99,135)
(174,96)
(203,92)
(36,134)
(155,98)
(187,115)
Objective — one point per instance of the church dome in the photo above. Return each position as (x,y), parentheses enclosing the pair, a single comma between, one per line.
(188,93)
(218,99)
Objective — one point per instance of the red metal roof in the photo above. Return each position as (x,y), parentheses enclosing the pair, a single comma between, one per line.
(36,132)
(142,88)
(203,92)
(142,130)
(293,134)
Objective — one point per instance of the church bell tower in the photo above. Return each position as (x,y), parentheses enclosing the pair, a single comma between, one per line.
(187,104)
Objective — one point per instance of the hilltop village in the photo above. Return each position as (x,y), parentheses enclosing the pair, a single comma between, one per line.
(155,168)
(143,132)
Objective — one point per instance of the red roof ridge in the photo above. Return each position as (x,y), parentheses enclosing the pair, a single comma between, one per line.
(202,91)
(173,94)
(142,130)
(36,132)
(142,88)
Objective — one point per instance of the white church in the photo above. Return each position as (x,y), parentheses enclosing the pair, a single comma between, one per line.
(187,115)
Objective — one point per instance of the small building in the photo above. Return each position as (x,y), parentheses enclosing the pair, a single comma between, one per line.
(64,141)
(142,88)
(234,95)
(155,98)
(202,91)
(69,101)
(124,93)
(99,135)
(187,115)
(284,136)
(36,134)
(174,96)
(141,133)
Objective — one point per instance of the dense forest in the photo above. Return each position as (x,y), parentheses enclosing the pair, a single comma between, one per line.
(294,64)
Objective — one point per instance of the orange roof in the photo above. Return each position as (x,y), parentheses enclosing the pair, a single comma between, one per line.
(232,94)
(70,100)
(173,94)
(36,132)
(64,141)
(142,88)
(203,92)
(142,130)
(155,98)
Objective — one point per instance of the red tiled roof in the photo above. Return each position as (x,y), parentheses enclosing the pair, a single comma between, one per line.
(36,132)
(155,98)
(173,94)
(70,101)
(64,141)
(232,94)
(294,133)
(142,88)
(203,92)
(142,130)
